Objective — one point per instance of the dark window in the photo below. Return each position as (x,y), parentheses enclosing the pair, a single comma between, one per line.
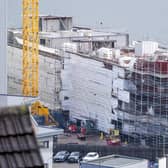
(40,24)
(66,98)
(44,144)
(119,104)
(112,111)
(113,45)
(43,42)
(114,122)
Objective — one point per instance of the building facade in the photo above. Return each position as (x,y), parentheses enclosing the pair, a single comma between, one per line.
(45,140)
(50,65)
(86,90)
(128,93)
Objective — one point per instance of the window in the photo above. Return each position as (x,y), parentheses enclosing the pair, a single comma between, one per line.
(66,98)
(42,42)
(113,122)
(119,104)
(44,144)
(112,111)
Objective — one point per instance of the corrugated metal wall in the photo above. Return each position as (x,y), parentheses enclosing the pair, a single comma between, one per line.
(3,45)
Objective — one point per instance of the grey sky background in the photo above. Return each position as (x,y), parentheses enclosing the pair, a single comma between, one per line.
(143,19)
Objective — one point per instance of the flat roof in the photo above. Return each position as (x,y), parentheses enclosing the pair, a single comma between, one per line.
(70,34)
(115,161)
(49,17)
(48,131)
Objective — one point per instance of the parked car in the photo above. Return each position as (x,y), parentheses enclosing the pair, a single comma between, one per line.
(91,156)
(61,156)
(74,157)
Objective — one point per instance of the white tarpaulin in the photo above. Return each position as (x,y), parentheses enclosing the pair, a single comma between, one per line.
(89,87)
(124,96)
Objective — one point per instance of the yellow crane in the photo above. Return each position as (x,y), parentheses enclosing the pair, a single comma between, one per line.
(30,64)
(30,48)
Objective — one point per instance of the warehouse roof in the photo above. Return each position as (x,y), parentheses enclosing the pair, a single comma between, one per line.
(18,146)
(116,161)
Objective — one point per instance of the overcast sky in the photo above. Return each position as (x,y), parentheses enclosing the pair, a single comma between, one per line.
(143,19)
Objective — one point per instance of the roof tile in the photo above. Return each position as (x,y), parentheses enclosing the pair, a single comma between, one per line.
(18,146)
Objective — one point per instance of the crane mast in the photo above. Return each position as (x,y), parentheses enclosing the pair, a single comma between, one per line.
(30,62)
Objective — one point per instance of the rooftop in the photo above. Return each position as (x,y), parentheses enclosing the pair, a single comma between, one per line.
(48,17)
(45,131)
(80,34)
(48,131)
(116,161)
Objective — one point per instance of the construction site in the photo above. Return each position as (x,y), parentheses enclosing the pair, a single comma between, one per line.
(89,77)
(85,80)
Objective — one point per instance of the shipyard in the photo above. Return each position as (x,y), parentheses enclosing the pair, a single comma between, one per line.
(75,96)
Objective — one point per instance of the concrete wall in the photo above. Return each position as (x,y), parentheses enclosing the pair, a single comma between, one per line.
(3,43)
(49,81)
(53,24)
(50,25)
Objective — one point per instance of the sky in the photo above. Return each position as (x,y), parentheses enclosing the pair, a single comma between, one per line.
(142,19)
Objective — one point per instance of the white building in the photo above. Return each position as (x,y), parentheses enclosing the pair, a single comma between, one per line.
(86,40)
(95,90)
(146,48)
(55,31)
(45,137)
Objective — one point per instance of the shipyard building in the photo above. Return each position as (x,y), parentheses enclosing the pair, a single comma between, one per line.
(57,35)
(120,88)
(97,75)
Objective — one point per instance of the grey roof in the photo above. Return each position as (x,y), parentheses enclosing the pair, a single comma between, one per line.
(116,161)
(46,132)
(18,146)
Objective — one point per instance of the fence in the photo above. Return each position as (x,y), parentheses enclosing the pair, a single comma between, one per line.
(146,153)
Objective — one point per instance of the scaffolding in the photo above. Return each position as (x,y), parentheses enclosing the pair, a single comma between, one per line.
(148,103)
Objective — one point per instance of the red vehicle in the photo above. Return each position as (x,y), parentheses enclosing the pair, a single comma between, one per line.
(73,128)
(113,141)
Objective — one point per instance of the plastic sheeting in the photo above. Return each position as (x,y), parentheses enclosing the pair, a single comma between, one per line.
(124,96)
(88,85)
